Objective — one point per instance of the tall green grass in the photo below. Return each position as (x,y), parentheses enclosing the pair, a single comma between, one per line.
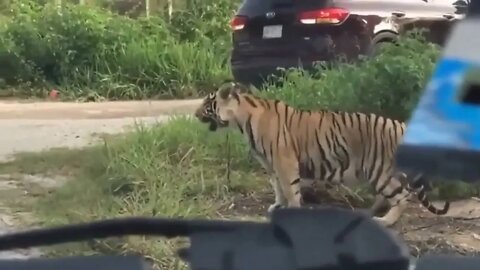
(83,49)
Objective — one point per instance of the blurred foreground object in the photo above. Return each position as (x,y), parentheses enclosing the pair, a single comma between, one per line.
(324,238)
(78,263)
(443,135)
(295,239)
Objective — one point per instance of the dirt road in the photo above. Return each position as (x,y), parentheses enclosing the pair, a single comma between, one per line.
(30,127)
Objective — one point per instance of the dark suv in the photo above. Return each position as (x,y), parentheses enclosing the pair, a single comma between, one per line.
(268,34)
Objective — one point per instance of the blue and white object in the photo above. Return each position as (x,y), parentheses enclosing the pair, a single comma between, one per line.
(443,134)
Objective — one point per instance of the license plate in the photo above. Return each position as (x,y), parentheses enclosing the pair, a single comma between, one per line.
(272,31)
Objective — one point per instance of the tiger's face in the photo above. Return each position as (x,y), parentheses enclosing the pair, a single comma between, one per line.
(206,113)
(219,108)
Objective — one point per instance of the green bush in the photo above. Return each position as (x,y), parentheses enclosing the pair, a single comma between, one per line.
(84,49)
(189,24)
(389,84)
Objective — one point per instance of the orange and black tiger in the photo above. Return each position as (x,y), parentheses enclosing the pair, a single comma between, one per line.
(297,146)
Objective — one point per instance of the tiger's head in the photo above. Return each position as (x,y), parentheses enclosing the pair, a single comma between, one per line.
(218,108)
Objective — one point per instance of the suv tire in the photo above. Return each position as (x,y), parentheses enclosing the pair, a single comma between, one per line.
(380,39)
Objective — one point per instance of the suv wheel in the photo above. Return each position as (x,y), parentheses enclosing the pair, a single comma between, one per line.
(379,40)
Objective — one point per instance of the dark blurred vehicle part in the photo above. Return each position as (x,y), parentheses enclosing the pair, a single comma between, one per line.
(441,262)
(326,238)
(78,263)
(303,239)
(269,34)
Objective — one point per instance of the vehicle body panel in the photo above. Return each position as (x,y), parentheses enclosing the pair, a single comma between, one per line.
(304,44)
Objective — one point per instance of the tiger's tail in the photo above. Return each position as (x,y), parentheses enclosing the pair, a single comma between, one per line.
(419,188)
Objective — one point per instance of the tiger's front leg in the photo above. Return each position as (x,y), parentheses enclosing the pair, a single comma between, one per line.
(287,171)
(280,200)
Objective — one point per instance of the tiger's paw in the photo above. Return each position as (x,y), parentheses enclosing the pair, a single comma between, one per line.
(383,221)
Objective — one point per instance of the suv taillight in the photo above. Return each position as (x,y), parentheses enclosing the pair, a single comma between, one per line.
(324,16)
(238,23)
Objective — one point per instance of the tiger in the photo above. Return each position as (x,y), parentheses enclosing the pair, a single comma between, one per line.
(300,146)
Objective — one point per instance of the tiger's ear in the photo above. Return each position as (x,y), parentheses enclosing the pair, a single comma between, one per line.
(232,89)
(225,90)
(240,88)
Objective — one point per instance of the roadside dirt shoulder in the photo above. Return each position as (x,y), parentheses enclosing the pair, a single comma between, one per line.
(94,110)
(30,127)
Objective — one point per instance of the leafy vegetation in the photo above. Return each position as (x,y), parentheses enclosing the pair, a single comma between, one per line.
(389,84)
(90,51)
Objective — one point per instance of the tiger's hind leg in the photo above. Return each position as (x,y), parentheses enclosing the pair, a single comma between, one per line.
(380,205)
(396,195)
